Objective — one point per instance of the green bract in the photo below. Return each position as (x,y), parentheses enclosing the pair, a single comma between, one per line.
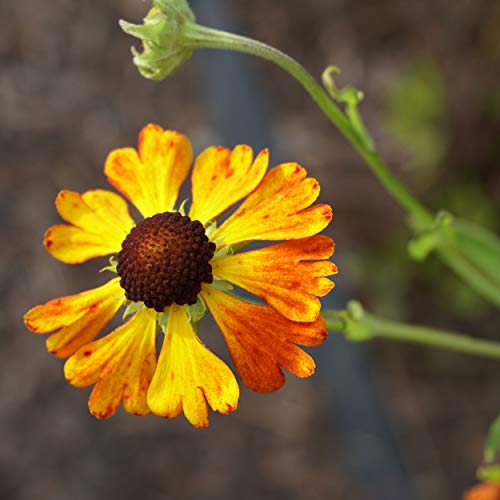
(164,48)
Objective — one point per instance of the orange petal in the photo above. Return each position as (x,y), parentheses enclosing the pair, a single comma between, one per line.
(277,209)
(121,365)
(79,318)
(100,222)
(152,178)
(189,375)
(221,178)
(58,313)
(69,339)
(260,340)
(483,491)
(283,275)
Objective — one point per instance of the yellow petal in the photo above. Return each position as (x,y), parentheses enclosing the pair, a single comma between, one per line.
(260,340)
(121,365)
(73,245)
(284,275)
(221,178)
(277,209)
(111,209)
(188,374)
(100,222)
(64,311)
(152,178)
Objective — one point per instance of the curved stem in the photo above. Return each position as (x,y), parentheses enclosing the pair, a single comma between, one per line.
(415,334)
(435,338)
(197,36)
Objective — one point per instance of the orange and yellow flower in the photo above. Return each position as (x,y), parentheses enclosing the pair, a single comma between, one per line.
(171,268)
(483,491)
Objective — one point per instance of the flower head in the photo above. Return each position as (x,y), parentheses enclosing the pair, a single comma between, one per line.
(164,47)
(171,268)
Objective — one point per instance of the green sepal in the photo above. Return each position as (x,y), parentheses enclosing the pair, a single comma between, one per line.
(112,266)
(222,285)
(162,319)
(426,241)
(182,207)
(196,311)
(350,322)
(210,228)
(165,47)
(224,251)
(132,308)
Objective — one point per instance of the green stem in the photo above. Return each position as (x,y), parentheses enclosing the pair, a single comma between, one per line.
(422,335)
(483,284)
(197,36)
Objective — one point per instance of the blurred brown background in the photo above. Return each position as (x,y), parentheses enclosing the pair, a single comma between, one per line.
(69,94)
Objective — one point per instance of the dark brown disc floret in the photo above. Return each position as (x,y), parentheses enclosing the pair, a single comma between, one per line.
(165,259)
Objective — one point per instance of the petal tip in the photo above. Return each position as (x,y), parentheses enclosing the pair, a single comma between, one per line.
(327,211)
(103,413)
(29,324)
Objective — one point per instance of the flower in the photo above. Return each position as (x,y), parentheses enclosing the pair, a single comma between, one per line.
(483,491)
(163,37)
(172,267)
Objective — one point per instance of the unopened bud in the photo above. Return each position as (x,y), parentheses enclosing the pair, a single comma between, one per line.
(163,42)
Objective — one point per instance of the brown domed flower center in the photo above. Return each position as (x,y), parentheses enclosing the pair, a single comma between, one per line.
(165,259)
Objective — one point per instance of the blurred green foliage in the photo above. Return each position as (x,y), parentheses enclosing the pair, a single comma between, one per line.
(417,117)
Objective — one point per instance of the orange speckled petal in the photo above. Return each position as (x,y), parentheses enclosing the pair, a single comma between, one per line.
(221,178)
(121,365)
(483,491)
(100,222)
(284,275)
(64,311)
(277,209)
(260,340)
(69,339)
(78,318)
(189,375)
(151,179)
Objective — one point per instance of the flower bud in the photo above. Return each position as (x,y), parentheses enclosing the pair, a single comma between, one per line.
(163,42)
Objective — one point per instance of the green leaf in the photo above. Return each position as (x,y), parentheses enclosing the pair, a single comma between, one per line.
(492,445)
(480,245)
(490,474)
